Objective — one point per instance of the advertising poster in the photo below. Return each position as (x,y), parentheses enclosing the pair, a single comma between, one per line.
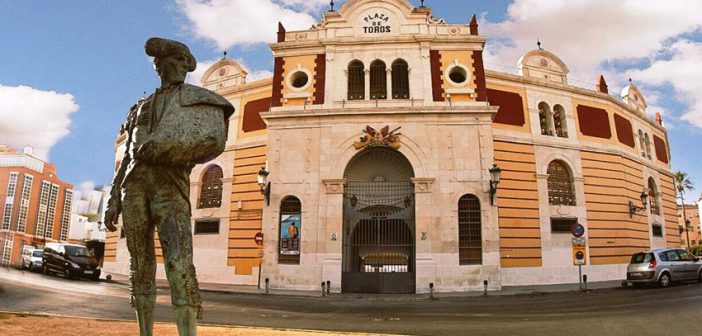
(290,228)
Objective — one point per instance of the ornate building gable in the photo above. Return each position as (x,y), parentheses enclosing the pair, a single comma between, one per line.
(632,96)
(543,64)
(224,73)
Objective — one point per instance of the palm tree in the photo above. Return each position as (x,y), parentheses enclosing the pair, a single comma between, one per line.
(683,183)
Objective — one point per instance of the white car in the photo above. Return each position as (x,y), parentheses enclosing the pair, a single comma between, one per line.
(31,259)
(663,267)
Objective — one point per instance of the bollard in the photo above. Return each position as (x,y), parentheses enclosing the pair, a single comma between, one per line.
(324,289)
(431,291)
(485,286)
(585,281)
(267,283)
(328,287)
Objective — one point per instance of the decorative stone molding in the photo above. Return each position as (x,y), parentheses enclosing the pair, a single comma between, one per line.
(334,186)
(422,185)
(542,176)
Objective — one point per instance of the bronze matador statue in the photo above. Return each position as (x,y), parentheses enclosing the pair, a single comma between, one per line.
(177,127)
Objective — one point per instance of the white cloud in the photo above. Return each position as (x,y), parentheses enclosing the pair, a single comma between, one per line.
(24,108)
(586,33)
(684,72)
(259,74)
(309,5)
(242,22)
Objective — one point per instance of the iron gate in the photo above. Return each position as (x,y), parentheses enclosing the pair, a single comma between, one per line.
(378,242)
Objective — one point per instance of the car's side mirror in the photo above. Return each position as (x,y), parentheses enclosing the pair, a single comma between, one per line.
(62,254)
(696,259)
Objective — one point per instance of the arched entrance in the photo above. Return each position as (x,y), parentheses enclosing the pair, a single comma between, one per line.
(379,230)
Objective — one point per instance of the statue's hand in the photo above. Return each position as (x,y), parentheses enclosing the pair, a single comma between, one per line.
(112,216)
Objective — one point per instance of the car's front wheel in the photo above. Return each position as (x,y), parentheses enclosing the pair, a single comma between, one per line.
(664,280)
(45,269)
(699,276)
(31,266)
(67,274)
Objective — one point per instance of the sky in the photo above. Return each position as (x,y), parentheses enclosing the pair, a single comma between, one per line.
(71,69)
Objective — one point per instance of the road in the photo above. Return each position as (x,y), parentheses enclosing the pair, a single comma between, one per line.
(621,311)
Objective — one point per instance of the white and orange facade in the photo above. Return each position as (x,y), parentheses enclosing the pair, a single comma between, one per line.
(567,155)
(36,204)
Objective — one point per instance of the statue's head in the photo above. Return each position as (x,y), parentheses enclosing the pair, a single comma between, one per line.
(173,59)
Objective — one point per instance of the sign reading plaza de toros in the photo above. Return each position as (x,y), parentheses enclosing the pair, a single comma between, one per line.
(376,23)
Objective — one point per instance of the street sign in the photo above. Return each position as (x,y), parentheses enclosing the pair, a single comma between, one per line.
(579,255)
(578,230)
(259,238)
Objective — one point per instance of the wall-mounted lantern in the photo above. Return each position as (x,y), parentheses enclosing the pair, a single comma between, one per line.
(634,209)
(495,172)
(264,185)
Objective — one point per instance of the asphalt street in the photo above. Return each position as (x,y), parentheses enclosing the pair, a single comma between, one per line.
(619,311)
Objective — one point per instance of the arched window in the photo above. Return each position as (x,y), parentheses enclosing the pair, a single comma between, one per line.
(559,121)
(400,80)
(648,146)
(560,184)
(357,81)
(290,230)
(545,119)
(642,143)
(378,80)
(653,197)
(211,188)
(470,242)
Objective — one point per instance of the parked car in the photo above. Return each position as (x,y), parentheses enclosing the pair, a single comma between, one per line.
(663,266)
(73,261)
(32,259)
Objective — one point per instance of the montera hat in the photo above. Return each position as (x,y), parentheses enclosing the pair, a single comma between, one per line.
(160,47)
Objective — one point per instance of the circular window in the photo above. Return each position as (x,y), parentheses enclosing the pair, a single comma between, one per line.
(299,80)
(458,75)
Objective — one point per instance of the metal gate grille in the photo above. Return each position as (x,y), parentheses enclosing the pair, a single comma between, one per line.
(379,237)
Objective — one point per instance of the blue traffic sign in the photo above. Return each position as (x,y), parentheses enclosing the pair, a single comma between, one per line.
(579,255)
(578,230)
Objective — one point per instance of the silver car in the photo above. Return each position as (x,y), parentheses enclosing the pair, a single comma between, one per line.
(31,259)
(663,266)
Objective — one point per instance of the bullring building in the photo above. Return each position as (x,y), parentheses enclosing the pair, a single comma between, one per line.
(383,156)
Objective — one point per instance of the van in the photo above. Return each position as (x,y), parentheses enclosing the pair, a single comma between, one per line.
(72,261)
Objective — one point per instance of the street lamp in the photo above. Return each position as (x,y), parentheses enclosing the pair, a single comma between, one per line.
(264,184)
(494,181)
(634,209)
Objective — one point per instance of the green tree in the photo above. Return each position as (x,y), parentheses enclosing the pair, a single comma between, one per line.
(683,183)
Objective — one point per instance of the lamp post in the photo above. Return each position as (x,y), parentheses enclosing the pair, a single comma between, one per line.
(495,172)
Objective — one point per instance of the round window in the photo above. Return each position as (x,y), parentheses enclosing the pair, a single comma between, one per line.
(299,79)
(458,75)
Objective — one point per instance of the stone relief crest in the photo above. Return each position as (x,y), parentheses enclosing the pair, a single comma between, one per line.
(373,138)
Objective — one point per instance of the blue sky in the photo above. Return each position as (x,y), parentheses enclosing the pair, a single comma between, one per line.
(71,69)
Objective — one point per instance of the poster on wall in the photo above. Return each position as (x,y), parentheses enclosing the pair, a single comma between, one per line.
(290,227)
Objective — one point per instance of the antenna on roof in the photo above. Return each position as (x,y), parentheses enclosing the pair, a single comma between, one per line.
(538,44)
(331,5)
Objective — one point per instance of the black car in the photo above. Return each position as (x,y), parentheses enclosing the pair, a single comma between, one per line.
(73,261)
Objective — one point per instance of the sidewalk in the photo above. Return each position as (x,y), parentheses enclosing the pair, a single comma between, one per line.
(16,324)
(506,290)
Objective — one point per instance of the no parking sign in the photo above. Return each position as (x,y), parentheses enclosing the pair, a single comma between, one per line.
(579,251)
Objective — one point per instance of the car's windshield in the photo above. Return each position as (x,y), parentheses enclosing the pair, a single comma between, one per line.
(641,258)
(37,253)
(77,251)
